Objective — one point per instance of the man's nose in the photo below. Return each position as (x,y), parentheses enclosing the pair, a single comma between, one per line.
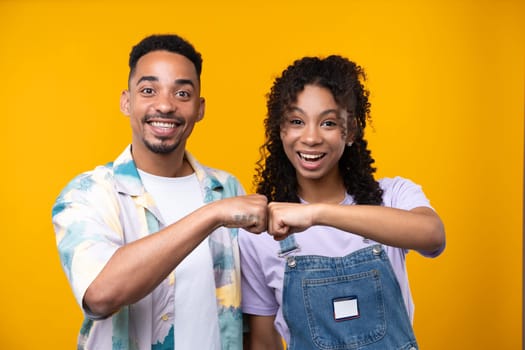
(165,103)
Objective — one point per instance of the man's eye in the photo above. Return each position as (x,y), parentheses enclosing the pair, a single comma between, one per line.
(183,94)
(147,91)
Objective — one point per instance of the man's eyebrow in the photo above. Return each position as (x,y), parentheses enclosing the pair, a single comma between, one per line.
(184,82)
(181,81)
(147,78)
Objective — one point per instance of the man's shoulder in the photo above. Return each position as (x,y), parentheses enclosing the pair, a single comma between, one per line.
(220,174)
(87,188)
(217,177)
(100,176)
(105,175)
(220,180)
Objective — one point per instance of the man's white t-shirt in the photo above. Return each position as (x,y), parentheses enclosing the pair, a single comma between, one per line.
(196,320)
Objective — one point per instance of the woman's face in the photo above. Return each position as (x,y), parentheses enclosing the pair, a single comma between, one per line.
(313,134)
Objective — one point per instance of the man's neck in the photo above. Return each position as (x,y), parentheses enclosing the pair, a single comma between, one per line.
(173,164)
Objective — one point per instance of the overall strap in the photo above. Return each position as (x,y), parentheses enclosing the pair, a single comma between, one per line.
(288,245)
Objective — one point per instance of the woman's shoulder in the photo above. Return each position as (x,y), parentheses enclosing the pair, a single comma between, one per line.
(403,193)
(389,182)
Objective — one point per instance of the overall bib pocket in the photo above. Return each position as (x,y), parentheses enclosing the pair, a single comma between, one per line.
(345,312)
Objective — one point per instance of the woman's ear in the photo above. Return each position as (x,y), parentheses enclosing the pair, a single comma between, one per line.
(351,131)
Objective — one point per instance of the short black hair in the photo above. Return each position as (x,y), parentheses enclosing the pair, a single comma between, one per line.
(165,42)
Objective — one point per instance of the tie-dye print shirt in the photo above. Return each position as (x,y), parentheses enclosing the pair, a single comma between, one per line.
(100,211)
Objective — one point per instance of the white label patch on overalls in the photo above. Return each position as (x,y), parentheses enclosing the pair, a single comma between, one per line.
(345,308)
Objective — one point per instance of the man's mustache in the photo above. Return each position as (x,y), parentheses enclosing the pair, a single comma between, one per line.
(164,116)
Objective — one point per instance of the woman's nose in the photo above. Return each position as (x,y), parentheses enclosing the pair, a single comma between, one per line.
(311,135)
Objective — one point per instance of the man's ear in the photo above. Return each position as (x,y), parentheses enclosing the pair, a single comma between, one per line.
(124,102)
(202,108)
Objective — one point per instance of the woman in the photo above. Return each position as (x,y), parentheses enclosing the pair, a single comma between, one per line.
(330,273)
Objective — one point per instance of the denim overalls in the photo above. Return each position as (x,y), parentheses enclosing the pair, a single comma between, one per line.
(350,302)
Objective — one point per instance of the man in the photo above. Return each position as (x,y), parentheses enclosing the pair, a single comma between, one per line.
(149,241)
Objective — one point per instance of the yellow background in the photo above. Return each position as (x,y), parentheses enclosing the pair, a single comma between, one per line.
(447,84)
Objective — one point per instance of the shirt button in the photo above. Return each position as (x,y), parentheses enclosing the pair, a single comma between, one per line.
(377,250)
(165,317)
(413,348)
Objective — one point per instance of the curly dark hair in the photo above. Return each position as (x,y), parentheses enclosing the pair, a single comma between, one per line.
(275,175)
(167,42)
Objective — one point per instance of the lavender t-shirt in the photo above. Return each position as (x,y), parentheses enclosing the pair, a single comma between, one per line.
(263,270)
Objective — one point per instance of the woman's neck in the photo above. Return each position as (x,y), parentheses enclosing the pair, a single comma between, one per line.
(326,190)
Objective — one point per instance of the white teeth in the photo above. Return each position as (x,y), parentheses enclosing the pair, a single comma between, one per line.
(163,124)
(311,156)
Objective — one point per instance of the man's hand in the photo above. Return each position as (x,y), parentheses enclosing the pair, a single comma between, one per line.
(248,212)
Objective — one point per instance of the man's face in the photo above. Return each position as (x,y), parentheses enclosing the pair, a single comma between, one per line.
(163,103)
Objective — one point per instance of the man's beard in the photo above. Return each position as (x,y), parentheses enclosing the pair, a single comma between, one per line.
(161,148)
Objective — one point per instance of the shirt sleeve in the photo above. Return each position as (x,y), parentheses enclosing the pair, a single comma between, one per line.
(258,297)
(88,232)
(404,194)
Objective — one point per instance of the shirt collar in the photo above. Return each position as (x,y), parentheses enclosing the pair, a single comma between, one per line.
(128,180)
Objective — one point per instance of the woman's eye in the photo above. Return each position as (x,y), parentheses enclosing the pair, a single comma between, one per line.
(329,123)
(295,121)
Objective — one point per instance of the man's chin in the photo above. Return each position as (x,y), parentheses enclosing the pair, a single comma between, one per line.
(162,148)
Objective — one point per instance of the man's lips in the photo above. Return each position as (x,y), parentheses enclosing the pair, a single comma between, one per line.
(164,125)
(163,121)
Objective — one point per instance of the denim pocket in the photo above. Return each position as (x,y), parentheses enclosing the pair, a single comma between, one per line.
(329,332)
